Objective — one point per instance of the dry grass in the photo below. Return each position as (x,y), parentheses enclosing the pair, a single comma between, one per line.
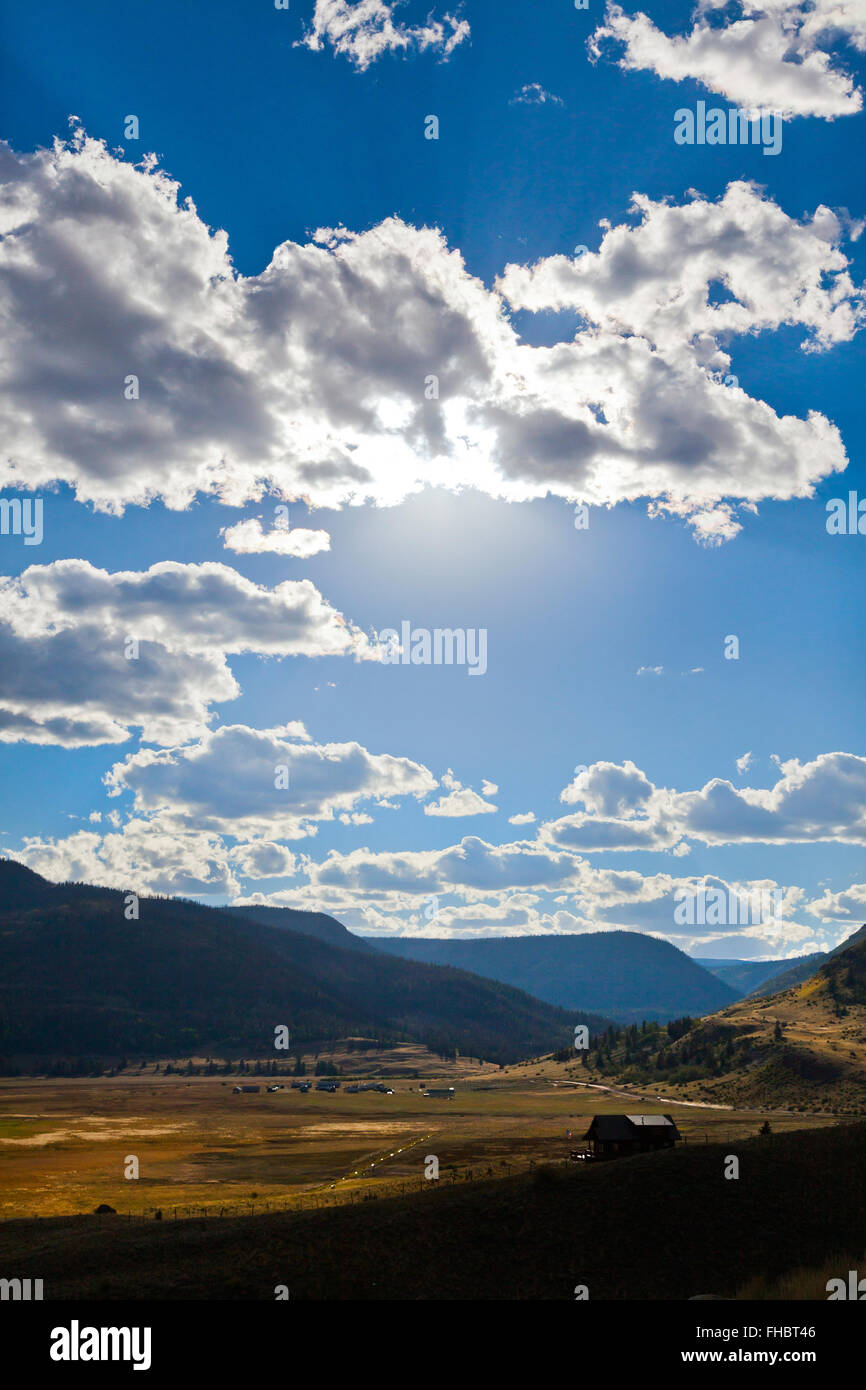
(803,1284)
(64,1143)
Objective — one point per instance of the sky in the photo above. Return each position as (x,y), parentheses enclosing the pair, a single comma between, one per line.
(341,339)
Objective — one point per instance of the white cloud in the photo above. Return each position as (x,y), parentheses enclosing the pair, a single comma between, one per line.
(745,762)
(774,55)
(262,782)
(71,674)
(849,905)
(659,278)
(462,801)
(364,31)
(262,859)
(471,864)
(649,671)
(309,379)
(820,800)
(145,856)
(482,890)
(248,538)
(610,789)
(522,818)
(533,94)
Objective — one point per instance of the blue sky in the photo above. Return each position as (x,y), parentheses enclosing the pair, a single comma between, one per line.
(605,645)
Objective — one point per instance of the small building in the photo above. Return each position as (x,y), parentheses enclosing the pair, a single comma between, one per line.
(440,1092)
(615,1136)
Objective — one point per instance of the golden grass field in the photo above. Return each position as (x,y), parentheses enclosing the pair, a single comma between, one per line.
(64,1144)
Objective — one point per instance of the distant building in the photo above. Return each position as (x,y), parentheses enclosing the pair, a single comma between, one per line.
(613,1136)
(440,1092)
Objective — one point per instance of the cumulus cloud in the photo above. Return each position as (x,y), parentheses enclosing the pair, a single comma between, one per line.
(660,278)
(144,856)
(522,818)
(479,889)
(241,781)
(85,654)
(249,538)
(471,864)
(824,799)
(365,30)
(849,905)
(262,859)
(462,801)
(820,800)
(610,789)
(309,379)
(745,762)
(773,55)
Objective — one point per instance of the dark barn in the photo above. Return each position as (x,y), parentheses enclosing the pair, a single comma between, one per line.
(613,1136)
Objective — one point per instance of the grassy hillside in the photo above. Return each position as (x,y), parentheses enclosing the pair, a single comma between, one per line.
(803,1048)
(77,977)
(795,972)
(626,975)
(661,1226)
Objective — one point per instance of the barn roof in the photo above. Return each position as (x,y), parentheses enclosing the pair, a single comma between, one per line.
(651,1120)
(619,1127)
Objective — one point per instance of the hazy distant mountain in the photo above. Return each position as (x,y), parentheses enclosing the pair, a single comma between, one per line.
(77,977)
(794,972)
(747,976)
(626,975)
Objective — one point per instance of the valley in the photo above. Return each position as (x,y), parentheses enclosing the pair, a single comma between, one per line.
(201,1149)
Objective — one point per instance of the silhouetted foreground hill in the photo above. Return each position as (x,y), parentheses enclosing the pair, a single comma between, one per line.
(658,1226)
(626,975)
(77,977)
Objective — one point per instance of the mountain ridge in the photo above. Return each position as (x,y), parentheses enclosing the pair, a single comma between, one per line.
(78,977)
(639,976)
